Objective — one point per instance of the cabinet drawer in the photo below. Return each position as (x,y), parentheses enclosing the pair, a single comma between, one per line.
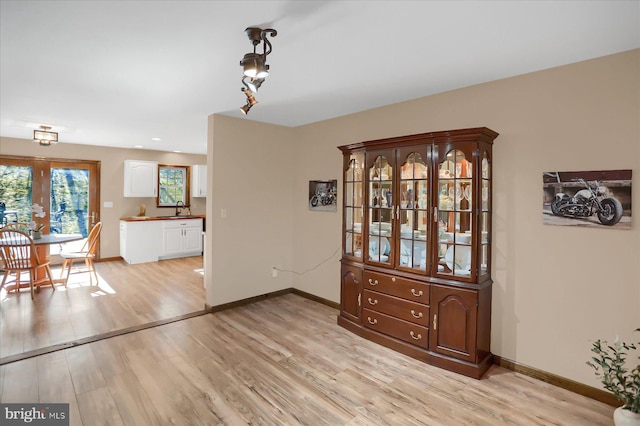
(185,223)
(403,330)
(396,286)
(394,306)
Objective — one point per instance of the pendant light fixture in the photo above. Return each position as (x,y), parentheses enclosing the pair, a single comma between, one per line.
(44,137)
(254,65)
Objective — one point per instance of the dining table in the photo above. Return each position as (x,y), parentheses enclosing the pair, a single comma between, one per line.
(42,248)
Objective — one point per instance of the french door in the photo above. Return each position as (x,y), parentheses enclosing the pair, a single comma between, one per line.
(68,191)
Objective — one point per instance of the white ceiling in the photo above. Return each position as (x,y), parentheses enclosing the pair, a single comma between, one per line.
(119,73)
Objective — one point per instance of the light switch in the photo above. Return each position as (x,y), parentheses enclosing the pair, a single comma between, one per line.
(223,213)
(108,204)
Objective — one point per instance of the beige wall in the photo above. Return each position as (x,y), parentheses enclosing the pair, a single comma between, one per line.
(555,288)
(251,167)
(111,180)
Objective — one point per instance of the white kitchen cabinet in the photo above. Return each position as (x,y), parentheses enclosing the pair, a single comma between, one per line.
(181,238)
(152,240)
(140,241)
(140,178)
(199,180)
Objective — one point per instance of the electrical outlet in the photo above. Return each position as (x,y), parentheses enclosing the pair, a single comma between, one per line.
(274,272)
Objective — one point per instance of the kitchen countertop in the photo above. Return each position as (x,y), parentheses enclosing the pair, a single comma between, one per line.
(149,218)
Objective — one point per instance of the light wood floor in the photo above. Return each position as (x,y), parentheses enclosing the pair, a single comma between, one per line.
(281,361)
(125,295)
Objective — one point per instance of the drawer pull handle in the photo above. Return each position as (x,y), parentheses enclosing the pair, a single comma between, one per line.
(416,293)
(414,337)
(373,282)
(418,315)
(373,302)
(372,321)
(393,279)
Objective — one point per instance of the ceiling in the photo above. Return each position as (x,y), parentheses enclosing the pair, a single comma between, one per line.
(118,73)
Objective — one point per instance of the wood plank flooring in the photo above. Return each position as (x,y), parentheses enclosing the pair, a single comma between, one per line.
(281,361)
(125,295)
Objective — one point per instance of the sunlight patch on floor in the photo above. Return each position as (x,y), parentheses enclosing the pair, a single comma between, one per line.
(82,279)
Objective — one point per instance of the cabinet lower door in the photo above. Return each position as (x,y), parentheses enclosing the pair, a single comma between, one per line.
(454,318)
(193,239)
(172,241)
(350,292)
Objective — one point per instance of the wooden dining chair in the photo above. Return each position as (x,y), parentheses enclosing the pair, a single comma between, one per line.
(18,253)
(86,253)
(22,227)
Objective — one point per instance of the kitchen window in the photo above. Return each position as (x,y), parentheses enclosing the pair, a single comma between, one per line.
(173,185)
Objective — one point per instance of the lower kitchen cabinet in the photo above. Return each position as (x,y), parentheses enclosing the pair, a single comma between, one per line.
(152,240)
(139,241)
(181,238)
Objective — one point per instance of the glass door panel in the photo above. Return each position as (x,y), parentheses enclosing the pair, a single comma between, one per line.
(73,195)
(16,193)
(413,208)
(485,219)
(455,221)
(381,209)
(353,211)
(69,201)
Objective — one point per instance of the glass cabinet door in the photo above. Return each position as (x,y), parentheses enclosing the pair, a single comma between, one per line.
(353,206)
(455,233)
(414,195)
(380,206)
(485,217)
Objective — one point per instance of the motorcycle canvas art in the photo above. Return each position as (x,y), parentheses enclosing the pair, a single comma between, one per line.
(323,195)
(588,198)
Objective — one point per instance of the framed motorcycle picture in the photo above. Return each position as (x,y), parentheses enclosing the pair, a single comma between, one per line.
(323,195)
(593,199)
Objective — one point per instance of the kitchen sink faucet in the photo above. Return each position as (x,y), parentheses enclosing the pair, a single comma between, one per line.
(178,209)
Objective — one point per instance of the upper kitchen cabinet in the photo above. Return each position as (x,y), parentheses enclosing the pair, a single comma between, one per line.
(199,180)
(140,178)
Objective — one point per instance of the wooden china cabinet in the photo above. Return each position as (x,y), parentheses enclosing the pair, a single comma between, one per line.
(415,269)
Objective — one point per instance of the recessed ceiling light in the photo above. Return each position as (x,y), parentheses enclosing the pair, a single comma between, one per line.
(156,139)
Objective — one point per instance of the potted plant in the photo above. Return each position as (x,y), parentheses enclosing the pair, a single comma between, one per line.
(35,225)
(609,364)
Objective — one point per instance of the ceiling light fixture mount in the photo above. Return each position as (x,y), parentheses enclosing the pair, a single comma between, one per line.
(254,65)
(44,137)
